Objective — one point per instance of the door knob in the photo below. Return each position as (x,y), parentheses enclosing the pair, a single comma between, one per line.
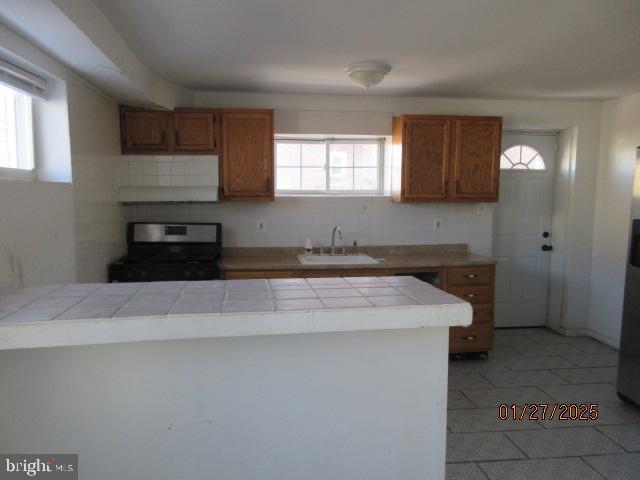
(547,248)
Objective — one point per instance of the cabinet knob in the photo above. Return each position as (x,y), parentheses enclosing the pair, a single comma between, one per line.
(471,275)
(471,295)
(470,337)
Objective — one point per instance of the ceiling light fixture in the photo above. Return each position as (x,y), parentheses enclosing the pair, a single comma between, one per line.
(367,74)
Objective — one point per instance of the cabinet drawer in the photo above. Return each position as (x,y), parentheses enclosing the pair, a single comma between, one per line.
(476,338)
(460,276)
(473,294)
(483,314)
(341,273)
(250,275)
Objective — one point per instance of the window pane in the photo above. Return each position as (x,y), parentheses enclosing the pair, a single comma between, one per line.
(314,154)
(288,178)
(341,179)
(302,166)
(365,155)
(314,179)
(505,163)
(16,138)
(521,157)
(365,179)
(288,154)
(527,154)
(341,154)
(537,163)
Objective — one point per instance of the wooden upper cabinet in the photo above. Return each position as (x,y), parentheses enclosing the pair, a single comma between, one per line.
(476,158)
(425,157)
(195,131)
(445,158)
(144,130)
(247,154)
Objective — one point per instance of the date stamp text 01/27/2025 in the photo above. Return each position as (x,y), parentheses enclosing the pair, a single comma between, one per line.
(548,411)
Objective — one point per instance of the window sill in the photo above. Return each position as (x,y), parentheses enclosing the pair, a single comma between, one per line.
(319,195)
(17,174)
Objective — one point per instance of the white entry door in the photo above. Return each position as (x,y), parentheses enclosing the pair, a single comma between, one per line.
(522,229)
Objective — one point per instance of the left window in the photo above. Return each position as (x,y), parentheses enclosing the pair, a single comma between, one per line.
(16,131)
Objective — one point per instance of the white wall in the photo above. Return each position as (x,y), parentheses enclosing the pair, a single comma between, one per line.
(619,139)
(348,405)
(36,234)
(63,232)
(97,175)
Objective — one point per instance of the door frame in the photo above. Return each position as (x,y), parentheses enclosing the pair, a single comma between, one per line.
(566,139)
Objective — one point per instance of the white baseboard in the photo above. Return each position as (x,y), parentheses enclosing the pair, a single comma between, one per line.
(574,332)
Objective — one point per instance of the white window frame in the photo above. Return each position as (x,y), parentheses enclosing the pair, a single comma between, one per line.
(379,141)
(520,171)
(22,132)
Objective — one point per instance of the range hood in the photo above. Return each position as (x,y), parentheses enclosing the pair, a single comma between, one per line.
(167,195)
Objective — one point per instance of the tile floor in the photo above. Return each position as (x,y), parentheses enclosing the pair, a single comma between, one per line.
(538,366)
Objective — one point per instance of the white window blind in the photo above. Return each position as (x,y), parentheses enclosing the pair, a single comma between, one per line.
(20,79)
(329,166)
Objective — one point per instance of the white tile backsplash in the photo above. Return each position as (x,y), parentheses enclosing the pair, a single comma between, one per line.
(166,170)
(370,221)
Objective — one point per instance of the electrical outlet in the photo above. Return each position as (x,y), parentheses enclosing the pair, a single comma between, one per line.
(437,223)
(261,226)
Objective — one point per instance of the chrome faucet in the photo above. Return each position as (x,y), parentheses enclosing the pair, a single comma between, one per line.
(333,238)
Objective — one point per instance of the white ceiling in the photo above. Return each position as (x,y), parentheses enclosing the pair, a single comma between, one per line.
(490,48)
(587,49)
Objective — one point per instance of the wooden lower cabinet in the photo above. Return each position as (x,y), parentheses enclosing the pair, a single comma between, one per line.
(475,284)
(255,274)
(258,274)
(475,338)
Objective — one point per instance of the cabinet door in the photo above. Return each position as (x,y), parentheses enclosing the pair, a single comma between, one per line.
(144,130)
(426,158)
(247,154)
(194,131)
(476,158)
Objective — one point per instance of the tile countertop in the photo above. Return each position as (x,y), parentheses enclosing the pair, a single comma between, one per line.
(85,314)
(402,256)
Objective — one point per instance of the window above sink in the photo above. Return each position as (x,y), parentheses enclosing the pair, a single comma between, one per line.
(329,166)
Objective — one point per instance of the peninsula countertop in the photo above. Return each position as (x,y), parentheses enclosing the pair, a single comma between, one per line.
(391,257)
(85,314)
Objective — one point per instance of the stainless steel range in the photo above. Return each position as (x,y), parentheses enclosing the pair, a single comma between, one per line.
(169,251)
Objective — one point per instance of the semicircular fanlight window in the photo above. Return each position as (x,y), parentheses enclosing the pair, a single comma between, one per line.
(521,157)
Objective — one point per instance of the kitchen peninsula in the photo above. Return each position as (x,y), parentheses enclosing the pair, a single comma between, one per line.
(450,267)
(351,373)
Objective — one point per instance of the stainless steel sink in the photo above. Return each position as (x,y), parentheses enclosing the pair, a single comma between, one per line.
(306,259)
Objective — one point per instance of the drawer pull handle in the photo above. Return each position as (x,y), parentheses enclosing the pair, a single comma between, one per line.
(471,275)
(471,295)
(470,337)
